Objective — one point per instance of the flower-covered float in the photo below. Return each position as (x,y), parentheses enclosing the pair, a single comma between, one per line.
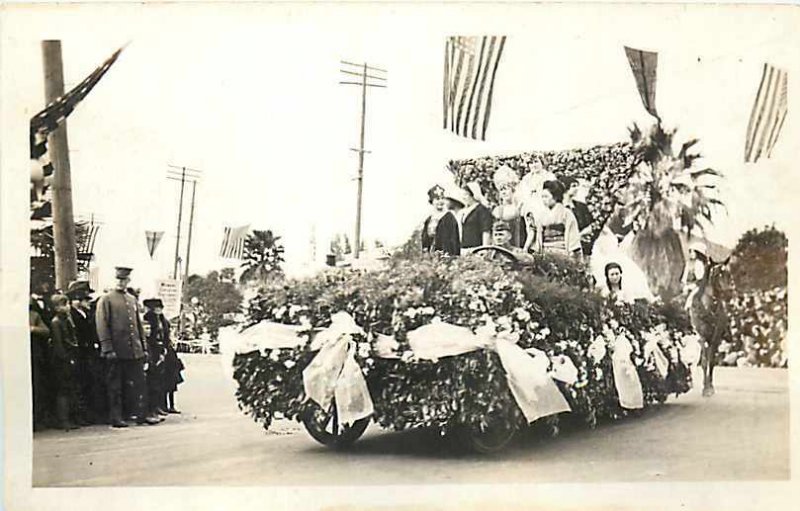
(472,347)
(475,347)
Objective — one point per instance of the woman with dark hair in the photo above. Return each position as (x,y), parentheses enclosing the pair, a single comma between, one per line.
(614,290)
(440,230)
(557,230)
(476,219)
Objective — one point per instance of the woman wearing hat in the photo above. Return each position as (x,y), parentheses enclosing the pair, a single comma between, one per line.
(695,271)
(440,230)
(509,210)
(157,338)
(557,230)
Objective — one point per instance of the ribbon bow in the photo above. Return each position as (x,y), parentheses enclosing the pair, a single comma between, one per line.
(527,373)
(626,378)
(652,349)
(335,374)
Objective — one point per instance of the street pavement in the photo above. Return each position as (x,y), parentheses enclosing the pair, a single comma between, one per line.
(741,433)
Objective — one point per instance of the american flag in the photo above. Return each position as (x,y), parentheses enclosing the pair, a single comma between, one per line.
(233,242)
(46,121)
(470,68)
(769,112)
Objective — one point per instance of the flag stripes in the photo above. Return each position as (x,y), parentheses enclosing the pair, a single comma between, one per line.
(644,65)
(49,119)
(233,242)
(470,69)
(769,111)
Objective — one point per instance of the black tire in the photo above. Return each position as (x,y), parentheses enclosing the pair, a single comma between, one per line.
(492,439)
(324,427)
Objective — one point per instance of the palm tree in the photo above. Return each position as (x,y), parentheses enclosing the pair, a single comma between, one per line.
(263,256)
(666,198)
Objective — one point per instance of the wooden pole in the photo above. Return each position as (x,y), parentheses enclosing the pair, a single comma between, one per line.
(357,248)
(188,253)
(66,264)
(180,215)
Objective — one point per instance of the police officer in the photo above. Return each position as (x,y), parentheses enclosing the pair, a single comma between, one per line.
(122,345)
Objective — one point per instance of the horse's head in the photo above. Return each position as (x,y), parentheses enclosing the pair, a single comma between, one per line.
(720,280)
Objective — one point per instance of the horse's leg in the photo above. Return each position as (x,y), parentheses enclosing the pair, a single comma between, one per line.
(711,355)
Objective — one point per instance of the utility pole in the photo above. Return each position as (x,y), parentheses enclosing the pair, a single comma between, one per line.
(66,264)
(363,83)
(184,175)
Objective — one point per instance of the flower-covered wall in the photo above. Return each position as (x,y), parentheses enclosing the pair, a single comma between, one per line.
(607,168)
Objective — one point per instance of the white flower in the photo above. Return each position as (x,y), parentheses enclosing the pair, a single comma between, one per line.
(545,332)
(522,314)
(275,355)
(428,310)
(290,364)
(363,349)
(294,309)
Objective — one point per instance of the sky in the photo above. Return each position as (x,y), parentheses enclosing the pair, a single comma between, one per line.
(250,96)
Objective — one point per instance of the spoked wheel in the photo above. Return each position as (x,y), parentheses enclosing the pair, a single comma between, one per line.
(325,428)
(491,439)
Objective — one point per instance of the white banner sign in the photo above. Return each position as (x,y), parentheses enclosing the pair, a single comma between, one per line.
(169,290)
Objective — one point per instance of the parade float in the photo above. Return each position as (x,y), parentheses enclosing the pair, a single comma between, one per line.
(475,347)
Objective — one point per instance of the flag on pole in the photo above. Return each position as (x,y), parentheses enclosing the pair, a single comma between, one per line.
(644,64)
(153,238)
(769,112)
(470,68)
(233,242)
(46,121)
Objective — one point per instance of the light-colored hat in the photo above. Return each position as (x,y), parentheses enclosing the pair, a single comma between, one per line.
(698,246)
(505,176)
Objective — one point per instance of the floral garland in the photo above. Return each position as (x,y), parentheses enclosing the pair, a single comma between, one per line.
(759,321)
(608,168)
(540,304)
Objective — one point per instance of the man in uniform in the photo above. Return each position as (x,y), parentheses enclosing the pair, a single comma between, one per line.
(121,335)
(92,395)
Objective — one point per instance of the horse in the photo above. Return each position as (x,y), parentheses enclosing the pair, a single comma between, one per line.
(710,318)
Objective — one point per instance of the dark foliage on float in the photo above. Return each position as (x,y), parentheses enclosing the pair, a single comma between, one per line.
(549,303)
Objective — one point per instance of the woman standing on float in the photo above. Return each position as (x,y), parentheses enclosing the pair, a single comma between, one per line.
(557,230)
(440,231)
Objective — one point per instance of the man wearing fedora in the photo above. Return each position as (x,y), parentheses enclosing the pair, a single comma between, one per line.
(122,345)
(92,395)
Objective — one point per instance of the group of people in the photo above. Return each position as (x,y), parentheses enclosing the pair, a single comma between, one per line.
(101,361)
(541,213)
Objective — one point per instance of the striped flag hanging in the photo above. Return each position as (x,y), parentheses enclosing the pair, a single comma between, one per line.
(46,121)
(153,239)
(233,242)
(769,112)
(644,64)
(470,68)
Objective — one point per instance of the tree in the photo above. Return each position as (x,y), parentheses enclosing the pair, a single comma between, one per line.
(759,260)
(263,256)
(217,301)
(666,197)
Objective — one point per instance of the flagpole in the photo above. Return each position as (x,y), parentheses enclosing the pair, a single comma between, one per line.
(180,215)
(66,264)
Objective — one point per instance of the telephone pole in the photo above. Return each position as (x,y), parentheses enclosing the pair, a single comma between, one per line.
(184,175)
(66,263)
(364,82)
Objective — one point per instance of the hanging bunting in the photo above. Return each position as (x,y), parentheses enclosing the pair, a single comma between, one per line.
(768,113)
(470,68)
(644,64)
(153,238)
